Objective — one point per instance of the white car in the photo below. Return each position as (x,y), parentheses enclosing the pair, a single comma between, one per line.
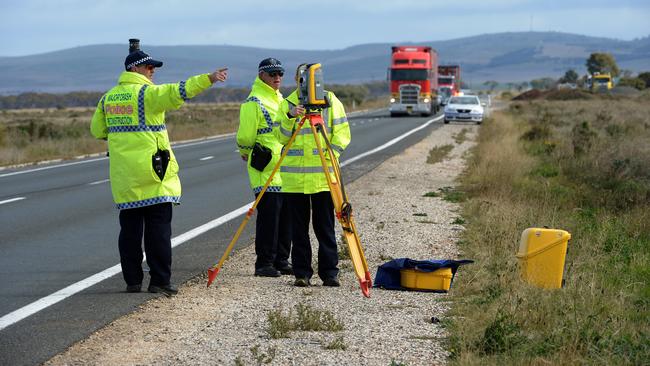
(464,108)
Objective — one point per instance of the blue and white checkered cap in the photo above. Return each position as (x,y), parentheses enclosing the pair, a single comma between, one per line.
(140,58)
(270,64)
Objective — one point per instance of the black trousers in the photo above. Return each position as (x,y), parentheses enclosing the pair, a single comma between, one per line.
(284,236)
(155,223)
(322,213)
(272,232)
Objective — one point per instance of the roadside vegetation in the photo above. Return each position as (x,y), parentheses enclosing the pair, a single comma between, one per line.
(307,318)
(32,135)
(29,135)
(576,165)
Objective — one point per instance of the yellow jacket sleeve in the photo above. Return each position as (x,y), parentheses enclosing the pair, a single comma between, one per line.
(98,123)
(166,97)
(285,125)
(341,136)
(247,132)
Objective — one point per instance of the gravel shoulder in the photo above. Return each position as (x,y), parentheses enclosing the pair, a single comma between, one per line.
(227,324)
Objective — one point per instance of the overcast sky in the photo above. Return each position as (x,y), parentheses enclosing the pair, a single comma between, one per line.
(38,26)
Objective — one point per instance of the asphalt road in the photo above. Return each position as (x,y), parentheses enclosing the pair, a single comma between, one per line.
(59,226)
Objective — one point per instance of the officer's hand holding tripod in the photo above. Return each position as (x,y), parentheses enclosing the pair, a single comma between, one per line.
(296,111)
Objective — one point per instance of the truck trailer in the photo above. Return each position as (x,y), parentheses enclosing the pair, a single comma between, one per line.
(413,79)
(449,82)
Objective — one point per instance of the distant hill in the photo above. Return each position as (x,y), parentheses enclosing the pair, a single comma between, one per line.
(504,57)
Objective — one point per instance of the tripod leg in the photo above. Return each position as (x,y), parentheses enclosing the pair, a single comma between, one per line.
(214,270)
(345,219)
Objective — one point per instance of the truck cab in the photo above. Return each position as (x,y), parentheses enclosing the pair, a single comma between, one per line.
(448,82)
(413,80)
(599,82)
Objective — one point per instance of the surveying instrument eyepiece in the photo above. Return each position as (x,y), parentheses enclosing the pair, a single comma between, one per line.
(311,91)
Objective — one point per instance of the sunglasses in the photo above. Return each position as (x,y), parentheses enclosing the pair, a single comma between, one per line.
(276,73)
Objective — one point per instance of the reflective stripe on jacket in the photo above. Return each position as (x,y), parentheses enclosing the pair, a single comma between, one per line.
(301,169)
(131,116)
(256,122)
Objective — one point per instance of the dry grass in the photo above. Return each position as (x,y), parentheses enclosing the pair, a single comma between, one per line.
(587,172)
(439,153)
(30,135)
(376,103)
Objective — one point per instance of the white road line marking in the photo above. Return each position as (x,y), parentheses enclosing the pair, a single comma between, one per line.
(207,158)
(176,146)
(38,305)
(50,167)
(210,225)
(391,142)
(98,182)
(60,295)
(12,200)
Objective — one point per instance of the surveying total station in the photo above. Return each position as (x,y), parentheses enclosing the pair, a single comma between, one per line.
(313,97)
(310,88)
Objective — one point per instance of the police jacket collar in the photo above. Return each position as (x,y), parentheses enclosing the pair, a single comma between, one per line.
(260,87)
(128,77)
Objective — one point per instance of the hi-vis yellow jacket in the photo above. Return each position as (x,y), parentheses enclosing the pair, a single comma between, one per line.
(256,116)
(131,116)
(301,169)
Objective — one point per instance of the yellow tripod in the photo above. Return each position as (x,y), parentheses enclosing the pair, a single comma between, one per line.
(339,198)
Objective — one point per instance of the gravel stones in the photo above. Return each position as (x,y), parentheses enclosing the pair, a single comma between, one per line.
(227,324)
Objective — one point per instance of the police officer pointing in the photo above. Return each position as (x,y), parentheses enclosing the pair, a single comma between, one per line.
(143,168)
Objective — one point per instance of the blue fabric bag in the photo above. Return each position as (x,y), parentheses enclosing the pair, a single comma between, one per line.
(388,274)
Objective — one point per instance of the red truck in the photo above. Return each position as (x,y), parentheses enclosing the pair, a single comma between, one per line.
(413,76)
(449,82)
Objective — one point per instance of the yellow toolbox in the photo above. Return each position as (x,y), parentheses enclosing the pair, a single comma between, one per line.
(438,280)
(541,256)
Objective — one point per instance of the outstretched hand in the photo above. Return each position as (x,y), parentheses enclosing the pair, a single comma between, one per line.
(219,75)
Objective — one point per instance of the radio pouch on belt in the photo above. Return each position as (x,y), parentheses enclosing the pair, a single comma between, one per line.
(260,157)
(159,162)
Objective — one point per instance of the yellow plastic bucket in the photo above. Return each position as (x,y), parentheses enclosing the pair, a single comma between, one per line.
(438,280)
(541,256)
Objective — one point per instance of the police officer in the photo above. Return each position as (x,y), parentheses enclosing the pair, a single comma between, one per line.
(143,168)
(305,186)
(261,150)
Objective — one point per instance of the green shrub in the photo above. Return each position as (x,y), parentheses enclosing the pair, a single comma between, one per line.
(502,335)
(537,133)
(309,318)
(280,325)
(582,138)
(636,83)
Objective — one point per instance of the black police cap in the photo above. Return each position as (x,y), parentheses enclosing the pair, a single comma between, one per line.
(137,57)
(270,65)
